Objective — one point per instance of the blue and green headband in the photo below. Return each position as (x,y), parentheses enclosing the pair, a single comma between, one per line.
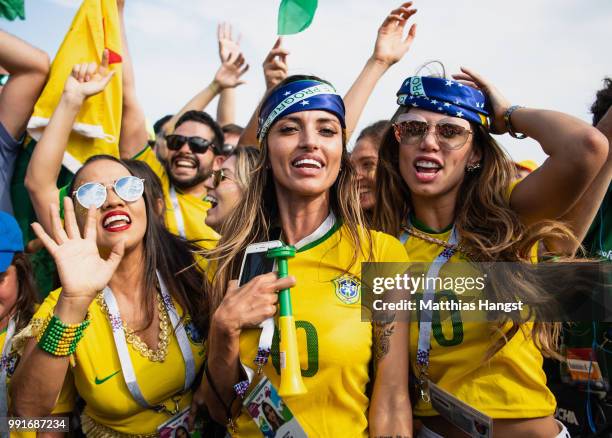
(304,95)
(444,96)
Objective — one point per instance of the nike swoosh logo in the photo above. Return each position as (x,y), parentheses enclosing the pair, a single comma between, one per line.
(101,381)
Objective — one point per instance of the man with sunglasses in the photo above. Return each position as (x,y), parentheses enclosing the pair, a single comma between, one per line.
(23,73)
(194,149)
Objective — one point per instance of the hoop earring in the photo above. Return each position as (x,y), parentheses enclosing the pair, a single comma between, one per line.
(471,168)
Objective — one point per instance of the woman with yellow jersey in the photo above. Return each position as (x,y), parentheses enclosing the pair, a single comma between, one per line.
(304,193)
(122,332)
(446,187)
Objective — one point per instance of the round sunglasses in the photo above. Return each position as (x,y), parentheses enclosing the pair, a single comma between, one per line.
(93,194)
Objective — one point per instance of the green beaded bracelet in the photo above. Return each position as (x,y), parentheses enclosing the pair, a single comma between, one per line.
(60,339)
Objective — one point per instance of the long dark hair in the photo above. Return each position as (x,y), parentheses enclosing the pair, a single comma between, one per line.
(27,296)
(170,255)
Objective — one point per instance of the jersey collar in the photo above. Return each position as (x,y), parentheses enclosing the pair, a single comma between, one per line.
(325,230)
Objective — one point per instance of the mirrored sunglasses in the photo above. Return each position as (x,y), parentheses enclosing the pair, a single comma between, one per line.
(128,188)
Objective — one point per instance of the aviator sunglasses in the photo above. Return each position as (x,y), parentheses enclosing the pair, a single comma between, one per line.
(448,135)
(128,188)
(218,176)
(197,145)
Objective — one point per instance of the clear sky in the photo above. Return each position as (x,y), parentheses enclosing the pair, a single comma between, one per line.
(540,53)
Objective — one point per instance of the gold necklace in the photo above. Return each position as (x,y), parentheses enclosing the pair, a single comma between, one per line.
(158,355)
(444,244)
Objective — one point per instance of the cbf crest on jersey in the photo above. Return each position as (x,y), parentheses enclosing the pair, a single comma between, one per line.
(348,289)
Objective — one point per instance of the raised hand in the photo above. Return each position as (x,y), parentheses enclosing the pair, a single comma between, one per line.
(227,43)
(499,104)
(82,271)
(275,65)
(232,68)
(89,79)
(391,45)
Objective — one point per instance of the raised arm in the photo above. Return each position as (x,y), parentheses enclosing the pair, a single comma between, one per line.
(228,76)
(28,68)
(38,379)
(226,108)
(576,152)
(46,162)
(390,47)
(242,307)
(582,214)
(275,70)
(133,136)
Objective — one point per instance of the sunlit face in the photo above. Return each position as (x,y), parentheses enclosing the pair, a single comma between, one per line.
(225,197)
(428,169)
(305,151)
(186,168)
(116,219)
(231,138)
(365,158)
(9,287)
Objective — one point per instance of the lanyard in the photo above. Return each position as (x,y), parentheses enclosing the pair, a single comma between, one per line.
(4,366)
(124,356)
(267,326)
(424,342)
(178,214)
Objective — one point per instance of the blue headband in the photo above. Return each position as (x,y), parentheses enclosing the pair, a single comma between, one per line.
(444,96)
(306,95)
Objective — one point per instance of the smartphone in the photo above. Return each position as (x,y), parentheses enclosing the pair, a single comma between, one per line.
(255,262)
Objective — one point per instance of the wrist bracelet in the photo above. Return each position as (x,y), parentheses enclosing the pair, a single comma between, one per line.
(60,339)
(508,123)
(215,87)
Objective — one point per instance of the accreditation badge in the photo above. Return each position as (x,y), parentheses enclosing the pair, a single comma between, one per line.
(178,427)
(460,414)
(270,413)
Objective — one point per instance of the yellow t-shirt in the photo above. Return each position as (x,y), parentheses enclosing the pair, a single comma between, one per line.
(193,209)
(512,384)
(334,344)
(97,377)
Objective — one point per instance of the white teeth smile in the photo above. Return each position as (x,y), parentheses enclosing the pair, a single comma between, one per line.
(307,162)
(185,163)
(212,200)
(115,218)
(428,164)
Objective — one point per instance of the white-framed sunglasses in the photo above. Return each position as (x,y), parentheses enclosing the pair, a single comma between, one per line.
(129,188)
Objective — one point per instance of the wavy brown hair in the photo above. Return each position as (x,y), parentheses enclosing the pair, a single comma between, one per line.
(27,296)
(489,229)
(255,216)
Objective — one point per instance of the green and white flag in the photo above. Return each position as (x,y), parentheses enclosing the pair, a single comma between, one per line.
(295,16)
(11,9)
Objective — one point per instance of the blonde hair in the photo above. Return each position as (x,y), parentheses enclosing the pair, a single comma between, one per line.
(257,214)
(488,228)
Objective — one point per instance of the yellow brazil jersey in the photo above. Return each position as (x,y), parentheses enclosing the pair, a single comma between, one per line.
(192,209)
(511,384)
(334,344)
(98,379)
